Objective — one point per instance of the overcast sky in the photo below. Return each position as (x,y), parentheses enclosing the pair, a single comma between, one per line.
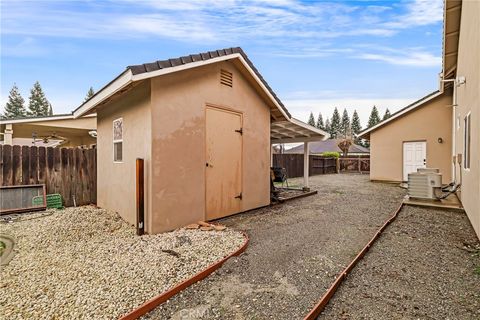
(315,55)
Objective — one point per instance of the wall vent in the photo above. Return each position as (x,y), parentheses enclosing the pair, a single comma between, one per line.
(226,78)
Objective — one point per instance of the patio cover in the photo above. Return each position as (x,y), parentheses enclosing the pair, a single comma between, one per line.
(294,131)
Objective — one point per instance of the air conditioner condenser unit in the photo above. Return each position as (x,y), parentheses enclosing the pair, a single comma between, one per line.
(424,184)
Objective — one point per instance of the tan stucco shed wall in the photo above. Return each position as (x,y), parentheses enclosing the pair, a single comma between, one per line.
(178,143)
(116,181)
(468,96)
(426,123)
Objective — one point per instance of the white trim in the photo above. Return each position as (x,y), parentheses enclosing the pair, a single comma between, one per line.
(127,77)
(399,114)
(116,140)
(42,119)
(296,131)
(309,127)
(121,82)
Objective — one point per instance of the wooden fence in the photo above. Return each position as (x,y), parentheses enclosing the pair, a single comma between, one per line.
(72,172)
(358,164)
(294,164)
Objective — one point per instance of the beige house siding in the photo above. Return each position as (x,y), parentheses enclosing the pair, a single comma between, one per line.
(426,123)
(178,143)
(468,96)
(116,181)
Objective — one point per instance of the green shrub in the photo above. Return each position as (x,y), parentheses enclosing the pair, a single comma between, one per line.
(330,154)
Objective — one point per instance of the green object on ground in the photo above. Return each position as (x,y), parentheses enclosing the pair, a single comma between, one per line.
(37,201)
(54,201)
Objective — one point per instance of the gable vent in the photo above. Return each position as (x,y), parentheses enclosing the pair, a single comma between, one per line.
(226,78)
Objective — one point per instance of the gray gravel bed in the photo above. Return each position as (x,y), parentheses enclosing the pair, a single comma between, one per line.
(422,267)
(296,249)
(87,263)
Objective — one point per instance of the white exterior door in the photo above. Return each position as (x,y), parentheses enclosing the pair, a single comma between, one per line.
(414,157)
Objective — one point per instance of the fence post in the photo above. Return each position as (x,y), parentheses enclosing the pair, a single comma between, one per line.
(337,165)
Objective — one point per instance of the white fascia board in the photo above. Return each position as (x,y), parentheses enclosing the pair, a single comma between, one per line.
(127,77)
(42,119)
(309,127)
(121,82)
(296,140)
(395,116)
(260,83)
(190,65)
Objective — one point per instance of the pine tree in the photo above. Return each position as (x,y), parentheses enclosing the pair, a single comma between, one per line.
(90,94)
(356,126)
(335,124)
(15,106)
(320,124)
(311,120)
(386,115)
(345,124)
(38,104)
(374,117)
(327,126)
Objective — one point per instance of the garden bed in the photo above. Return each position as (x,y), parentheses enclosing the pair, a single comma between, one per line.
(88,263)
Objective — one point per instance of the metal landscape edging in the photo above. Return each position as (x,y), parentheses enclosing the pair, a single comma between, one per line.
(320,306)
(161,298)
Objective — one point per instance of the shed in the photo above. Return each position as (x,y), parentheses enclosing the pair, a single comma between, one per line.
(417,136)
(204,125)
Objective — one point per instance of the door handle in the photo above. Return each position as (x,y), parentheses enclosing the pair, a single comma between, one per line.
(208,165)
(239,196)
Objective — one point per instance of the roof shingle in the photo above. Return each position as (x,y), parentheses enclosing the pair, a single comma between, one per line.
(162,64)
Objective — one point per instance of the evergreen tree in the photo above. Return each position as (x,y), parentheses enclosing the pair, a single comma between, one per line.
(38,104)
(15,106)
(311,120)
(327,126)
(320,124)
(374,117)
(356,126)
(345,124)
(90,94)
(386,115)
(335,124)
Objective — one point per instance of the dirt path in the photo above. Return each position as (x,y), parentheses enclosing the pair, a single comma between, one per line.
(295,251)
(426,265)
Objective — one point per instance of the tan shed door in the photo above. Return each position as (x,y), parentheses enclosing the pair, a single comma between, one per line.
(224,163)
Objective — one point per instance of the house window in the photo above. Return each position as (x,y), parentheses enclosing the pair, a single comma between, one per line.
(118,140)
(467,141)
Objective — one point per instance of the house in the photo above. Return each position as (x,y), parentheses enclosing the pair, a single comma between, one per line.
(330,145)
(204,125)
(50,131)
(442,128)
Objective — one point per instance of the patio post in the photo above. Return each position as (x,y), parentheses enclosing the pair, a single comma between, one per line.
(306,156)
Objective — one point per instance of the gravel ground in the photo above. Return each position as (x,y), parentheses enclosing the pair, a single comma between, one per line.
(86,263)
(296,249)
(422,267)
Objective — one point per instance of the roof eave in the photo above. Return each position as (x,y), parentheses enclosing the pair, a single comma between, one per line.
(128,77)
(366,133)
